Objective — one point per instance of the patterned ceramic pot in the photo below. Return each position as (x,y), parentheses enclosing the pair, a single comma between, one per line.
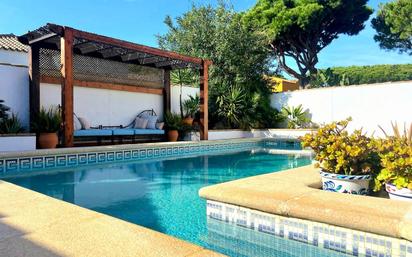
(348,184)
(403,194)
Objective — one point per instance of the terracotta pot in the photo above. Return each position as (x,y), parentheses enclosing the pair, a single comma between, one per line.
(172,135)
(188,121)
(48,140)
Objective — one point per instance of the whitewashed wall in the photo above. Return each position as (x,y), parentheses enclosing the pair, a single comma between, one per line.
(186,91)
(368,105)
(102,106)
(14,57)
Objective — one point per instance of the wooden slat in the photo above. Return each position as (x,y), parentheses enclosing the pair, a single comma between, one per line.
(67,86)
(133,46)
(104,85)
(204,98)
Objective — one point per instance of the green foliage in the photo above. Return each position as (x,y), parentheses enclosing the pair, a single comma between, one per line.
(327,78)
(239,55)
(393,25)
(296,117)
(340,152)
(356,75)
(47,121)
(396,159)
(191,106)
(233,107)
(11,125)
(173,121)
(3,110)
(300,29)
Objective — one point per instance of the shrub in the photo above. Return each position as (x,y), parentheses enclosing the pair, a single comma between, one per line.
(191,106)
(3,110)
(173,121)
(11,125)
(47,121)
(396,159)
(340,152)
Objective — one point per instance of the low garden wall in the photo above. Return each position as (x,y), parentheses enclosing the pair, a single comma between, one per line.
(17,142)
(257,133)
(369,105)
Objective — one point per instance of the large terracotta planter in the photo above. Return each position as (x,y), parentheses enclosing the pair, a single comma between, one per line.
(188,121)
(48,140)
(403,194)
(172,135)
(348,184)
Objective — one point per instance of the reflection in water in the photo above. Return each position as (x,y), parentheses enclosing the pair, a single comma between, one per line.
(159,194)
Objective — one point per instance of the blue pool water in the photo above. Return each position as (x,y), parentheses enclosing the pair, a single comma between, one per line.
(163,195)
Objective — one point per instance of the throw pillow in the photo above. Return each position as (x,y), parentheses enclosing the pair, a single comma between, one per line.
(140,123)
(84,123)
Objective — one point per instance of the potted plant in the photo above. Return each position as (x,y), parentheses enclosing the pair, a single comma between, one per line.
(190,108)
(396,160)
(347,160)
(173,123)
(46,124)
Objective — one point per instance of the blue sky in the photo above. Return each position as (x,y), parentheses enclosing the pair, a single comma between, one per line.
(140,20)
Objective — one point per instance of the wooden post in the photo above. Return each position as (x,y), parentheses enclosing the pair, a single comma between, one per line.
(67,86)
(34,76)
(166,91)
(204,97)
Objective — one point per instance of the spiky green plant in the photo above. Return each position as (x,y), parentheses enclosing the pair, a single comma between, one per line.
(173,121)
(11,125)
(296,116)
(191,106)
(47,121)
(3,110)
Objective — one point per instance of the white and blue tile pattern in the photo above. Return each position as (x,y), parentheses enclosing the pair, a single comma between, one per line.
(77,157)
(343,240)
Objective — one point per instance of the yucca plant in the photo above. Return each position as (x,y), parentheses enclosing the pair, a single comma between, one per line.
(11,125)
(47,121)
(191,106)
(296,116)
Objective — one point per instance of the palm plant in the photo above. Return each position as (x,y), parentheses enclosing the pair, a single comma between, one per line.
(231,106)
(11,125)
(47,121)
(182,77)
(296,116)
(191,106)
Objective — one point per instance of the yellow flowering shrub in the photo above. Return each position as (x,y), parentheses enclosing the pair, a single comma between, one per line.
(395,153)
(338,151)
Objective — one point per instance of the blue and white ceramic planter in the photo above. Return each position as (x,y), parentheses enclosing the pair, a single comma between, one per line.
(348,184)
(403,194)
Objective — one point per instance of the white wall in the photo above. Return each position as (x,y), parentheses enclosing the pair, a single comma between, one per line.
(368,105)
(186,91)
(17,143)
(102,106)
(14,90)
(14,57)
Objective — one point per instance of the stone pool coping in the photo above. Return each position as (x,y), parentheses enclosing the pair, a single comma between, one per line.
(33,224)
(295,193)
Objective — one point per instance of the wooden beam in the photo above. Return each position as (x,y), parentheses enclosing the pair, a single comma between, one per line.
(34,76)
(133,46)
(166,91)
(204,98)
(67,86)
(104,85)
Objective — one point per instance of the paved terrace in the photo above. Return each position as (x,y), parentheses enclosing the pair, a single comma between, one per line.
(35,225)
(296,193)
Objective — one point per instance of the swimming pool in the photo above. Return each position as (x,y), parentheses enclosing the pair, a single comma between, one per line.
(162,194)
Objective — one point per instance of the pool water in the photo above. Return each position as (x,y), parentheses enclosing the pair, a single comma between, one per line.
(163,194)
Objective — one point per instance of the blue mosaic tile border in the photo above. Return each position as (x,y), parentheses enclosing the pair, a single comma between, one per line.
(73,159)
(338,239)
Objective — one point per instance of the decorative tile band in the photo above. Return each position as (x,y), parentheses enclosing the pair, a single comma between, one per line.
(338,239)
(76,157)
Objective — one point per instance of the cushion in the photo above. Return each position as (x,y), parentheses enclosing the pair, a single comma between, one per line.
(151,124)
(123,132)
(160,125)
(85,124)
(76,123)
(140,123)
(92,132)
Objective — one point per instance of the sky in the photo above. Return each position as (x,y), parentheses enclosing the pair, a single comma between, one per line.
(140,21)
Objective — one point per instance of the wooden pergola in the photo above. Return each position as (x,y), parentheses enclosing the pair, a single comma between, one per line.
(72,42)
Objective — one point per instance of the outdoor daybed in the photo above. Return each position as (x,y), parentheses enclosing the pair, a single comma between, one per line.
(120,133)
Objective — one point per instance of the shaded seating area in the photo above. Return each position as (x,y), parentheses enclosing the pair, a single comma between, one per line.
(121,134)
(73,58)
